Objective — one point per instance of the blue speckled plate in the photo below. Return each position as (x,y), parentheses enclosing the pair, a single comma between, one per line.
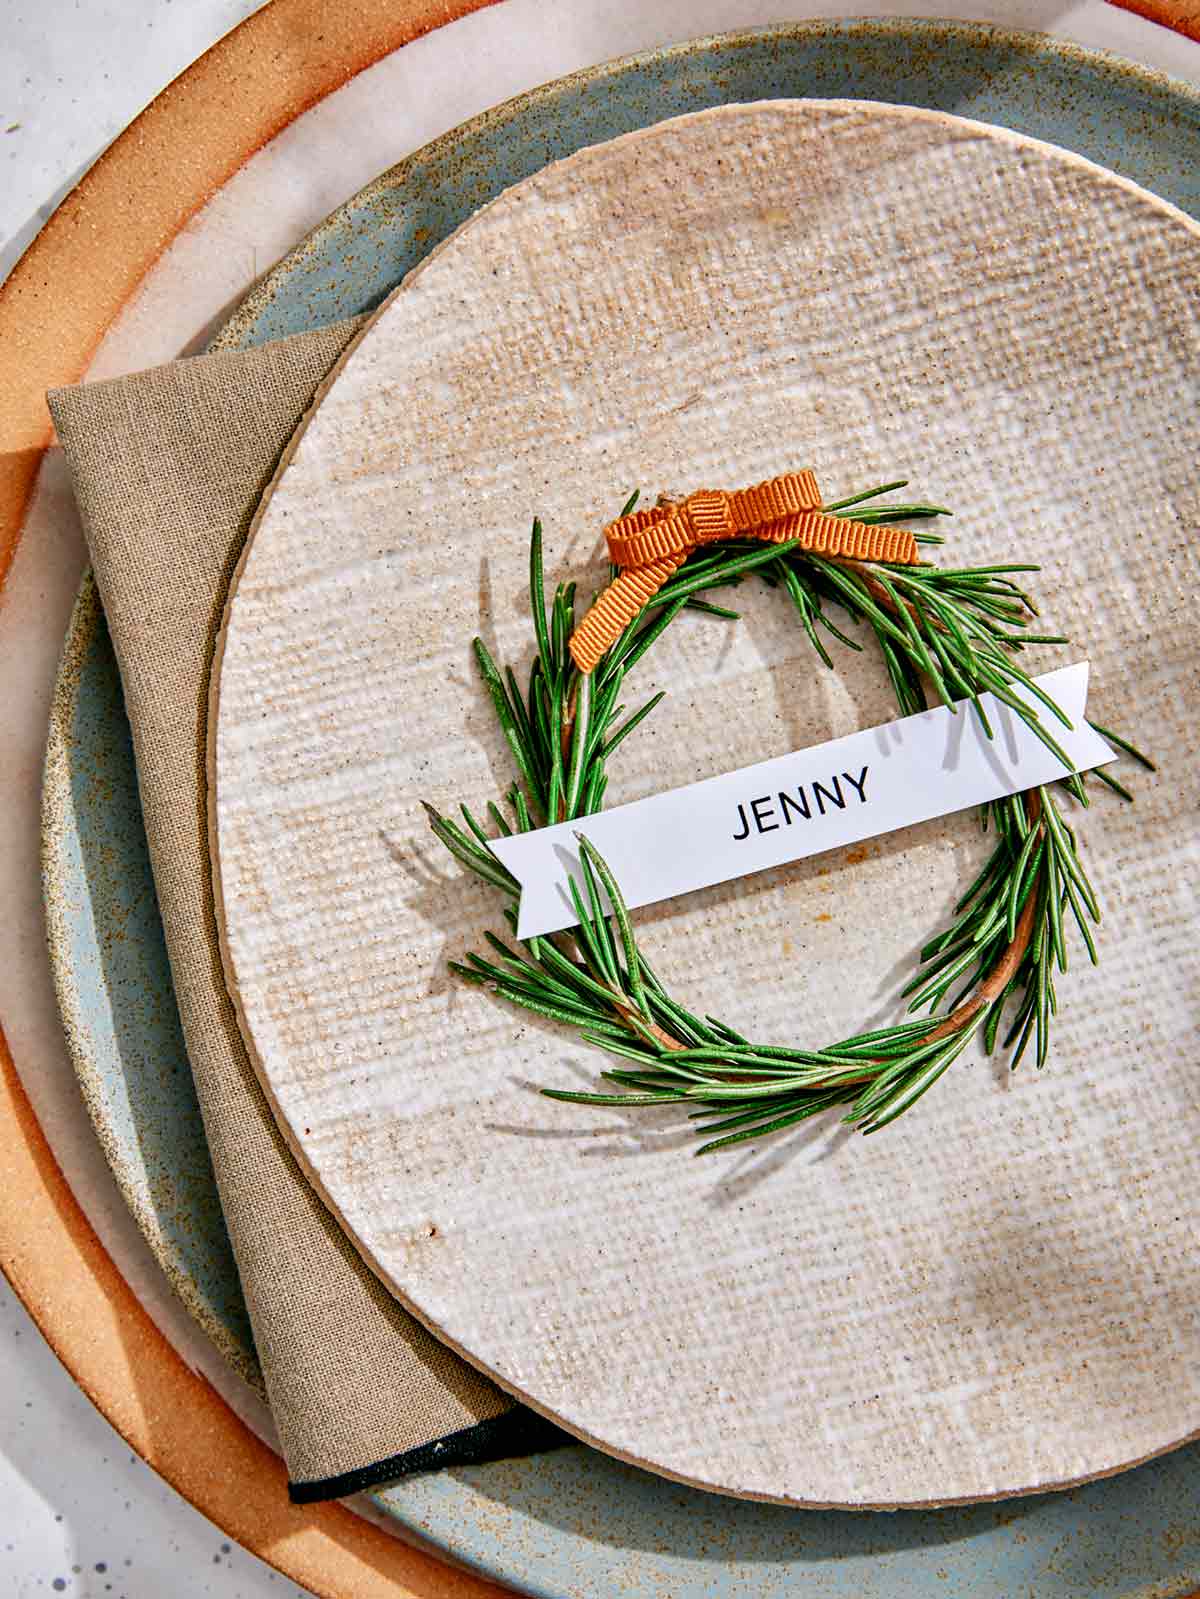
(575,1523)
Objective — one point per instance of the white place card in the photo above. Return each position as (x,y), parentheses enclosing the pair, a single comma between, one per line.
(800,804)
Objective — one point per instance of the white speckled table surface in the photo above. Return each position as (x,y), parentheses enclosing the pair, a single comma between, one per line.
(79,1514)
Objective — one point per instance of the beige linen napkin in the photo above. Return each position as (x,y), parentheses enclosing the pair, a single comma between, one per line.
(168,467)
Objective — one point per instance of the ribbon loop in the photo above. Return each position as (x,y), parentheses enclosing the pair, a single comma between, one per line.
(779,496)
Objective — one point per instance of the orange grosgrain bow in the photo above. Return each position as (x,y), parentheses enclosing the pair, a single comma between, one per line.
(649,546)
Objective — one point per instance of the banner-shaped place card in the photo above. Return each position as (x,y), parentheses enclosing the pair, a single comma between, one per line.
(800,804)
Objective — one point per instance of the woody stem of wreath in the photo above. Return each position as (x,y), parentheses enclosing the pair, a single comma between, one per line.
(565,737)
(1003,972)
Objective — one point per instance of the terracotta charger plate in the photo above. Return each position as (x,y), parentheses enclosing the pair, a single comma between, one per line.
(992,1298)
(48,1250)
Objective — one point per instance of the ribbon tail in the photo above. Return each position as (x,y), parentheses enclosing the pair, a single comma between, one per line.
(613,611)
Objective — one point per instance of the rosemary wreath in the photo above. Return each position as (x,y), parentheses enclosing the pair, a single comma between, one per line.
(958,630)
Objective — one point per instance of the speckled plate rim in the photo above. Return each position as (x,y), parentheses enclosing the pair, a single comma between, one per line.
(86,615)
(240,326)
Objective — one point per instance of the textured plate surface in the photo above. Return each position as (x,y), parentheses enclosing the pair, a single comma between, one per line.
(555,1525)
(715,299)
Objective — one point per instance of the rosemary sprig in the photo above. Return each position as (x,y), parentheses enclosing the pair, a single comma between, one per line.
(956,632)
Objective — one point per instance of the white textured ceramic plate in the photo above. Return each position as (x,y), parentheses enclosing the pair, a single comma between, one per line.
(999,1293)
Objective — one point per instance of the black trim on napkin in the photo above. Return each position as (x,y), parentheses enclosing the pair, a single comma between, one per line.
(516,1432)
